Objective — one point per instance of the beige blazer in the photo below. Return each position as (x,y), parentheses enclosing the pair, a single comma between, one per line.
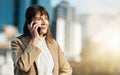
(24,56)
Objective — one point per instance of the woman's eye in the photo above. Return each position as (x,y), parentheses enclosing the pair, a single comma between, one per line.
(39,19)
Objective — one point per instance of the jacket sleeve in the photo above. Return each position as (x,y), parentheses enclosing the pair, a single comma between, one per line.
(64,66)
(23,59)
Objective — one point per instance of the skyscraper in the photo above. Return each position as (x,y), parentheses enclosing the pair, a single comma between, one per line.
(64,26)
(64,13)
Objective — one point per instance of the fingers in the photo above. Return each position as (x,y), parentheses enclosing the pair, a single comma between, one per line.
(33,28)
(31,24)
(35,25)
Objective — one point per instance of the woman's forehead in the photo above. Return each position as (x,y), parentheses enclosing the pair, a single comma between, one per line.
(39,15)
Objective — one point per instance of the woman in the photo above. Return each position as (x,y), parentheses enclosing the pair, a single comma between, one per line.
(35,52)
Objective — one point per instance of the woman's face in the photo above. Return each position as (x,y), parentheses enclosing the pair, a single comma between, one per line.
(43,22)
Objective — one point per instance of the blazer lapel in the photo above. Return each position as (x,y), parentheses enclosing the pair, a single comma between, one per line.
(53,52)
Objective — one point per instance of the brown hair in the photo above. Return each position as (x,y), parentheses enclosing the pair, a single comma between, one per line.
(30,13)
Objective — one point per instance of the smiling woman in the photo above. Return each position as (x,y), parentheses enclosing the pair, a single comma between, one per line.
(36,52)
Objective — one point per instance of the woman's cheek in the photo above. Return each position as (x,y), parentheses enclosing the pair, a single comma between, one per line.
(47,22)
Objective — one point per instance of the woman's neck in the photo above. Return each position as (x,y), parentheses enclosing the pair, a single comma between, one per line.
(41,35)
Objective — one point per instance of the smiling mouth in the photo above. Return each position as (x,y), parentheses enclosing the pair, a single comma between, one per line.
(43,27)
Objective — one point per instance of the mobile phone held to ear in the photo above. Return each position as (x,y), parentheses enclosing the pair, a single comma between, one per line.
(38,29)
(29,22)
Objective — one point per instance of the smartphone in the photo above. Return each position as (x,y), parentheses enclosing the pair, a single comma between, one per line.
(29,22)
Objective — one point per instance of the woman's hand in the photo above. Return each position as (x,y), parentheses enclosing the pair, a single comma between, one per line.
(33,31)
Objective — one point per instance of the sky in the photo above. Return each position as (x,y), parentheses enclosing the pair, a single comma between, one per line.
(93,6)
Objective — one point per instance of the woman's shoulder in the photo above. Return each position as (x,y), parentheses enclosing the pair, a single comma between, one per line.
(18,38)
(55,43)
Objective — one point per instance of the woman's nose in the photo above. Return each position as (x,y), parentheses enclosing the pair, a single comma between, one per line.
(42,22)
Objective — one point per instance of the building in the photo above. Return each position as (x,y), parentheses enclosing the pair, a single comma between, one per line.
(64,24)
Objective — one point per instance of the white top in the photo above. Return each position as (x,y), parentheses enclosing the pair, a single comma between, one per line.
(45,60)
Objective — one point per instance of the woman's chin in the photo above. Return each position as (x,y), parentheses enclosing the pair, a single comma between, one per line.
(42,33)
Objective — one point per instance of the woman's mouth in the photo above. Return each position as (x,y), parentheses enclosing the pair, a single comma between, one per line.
(43,27)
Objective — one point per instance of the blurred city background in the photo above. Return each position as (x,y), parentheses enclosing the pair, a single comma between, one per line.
(88,32)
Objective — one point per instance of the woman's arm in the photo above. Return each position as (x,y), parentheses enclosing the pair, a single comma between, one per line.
(64,66)
(23,59)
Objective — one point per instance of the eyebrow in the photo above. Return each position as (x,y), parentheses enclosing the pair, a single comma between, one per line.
(43,17)
(37,17)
